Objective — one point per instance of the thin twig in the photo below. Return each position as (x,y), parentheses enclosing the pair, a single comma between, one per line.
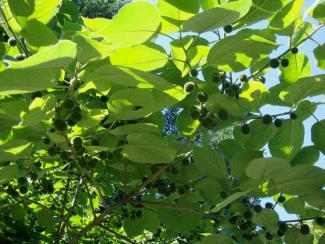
(117,234)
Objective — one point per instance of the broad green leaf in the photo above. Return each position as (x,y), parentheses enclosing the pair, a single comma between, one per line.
(229,147)
(318,135)
(240,161)
(89,49)
(41,10)
(299,67)
(255,93)
(307,155)
(135,103)
(259,135)
(14,149)
(147,148)
(316,199)
(236,53)
(45,65)
(288,140)
(134,24)
(38,34)
(293,235)
(96,24)
(42,108)
(174,12)
(304,87)
(145,57)
(207,4)
(151,221)
(210,190)
(220,16)
(266,168)
(301,31)
(185,124)
(135,128)
(295,205)
(267,218)
(217,238)
(305,109)
(287,15)
(18,212)
(300,180)
(228,201)
(318,12)
(210,162)
(319,53)
(133,227)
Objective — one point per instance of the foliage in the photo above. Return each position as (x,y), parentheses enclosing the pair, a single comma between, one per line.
(85,155)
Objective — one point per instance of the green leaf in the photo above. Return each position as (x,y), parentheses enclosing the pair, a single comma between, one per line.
(220,16)
(42,11)
(228,201)
(266,168)
(295,206)
(229,147)
(45,218)
(151,221)
(185,124)
(240,161)
(288,140)
(318,12)
(42,108)
(293,235)
(210,190)
(147,148)
(267,218)
(9,172)
(14,149)
(18,212)
(217,238)
(255,93)
(259,135)
(38,34)
(133,227)
(135,128)
(303,88)
(307,155)
(143,57)
(318,135)
(236,53)
(319,53)
(299,67)
(45,65)
(174,12)
(287,15)
(210,162)
(96,24)
(134,24)
(300,180)
(316,199)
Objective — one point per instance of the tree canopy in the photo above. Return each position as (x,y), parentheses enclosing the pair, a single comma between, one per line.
(85,155)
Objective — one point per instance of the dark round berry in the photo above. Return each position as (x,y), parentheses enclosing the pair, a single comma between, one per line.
(46,140)
(71,122)
(69,104)
(65,155)
(92,163)
(76,116)
(20,57)
(202,97)
(33,176)
(103,155)
(208,122)
(304,229)
(78,147)
(36,94)
(174,170)
(227,28)
(248,236)
(281,199)
(12,42)
(203,113)
(226,84)
(284,62)
(186,161)
(104,98)
(218,76)
(22,181)
(274,63)
(283,226)
(279,233)
(293,116)
(258,208)
(77,140)
(294,50)
(269,205)
(248,215)
(60,124)
(94,142)
(268,236)
(233,219)
(138,213)
(12,192)
(261,79)
(194,73)
(194,113)
(23,189)
(189,86)
(267,119)
(223,195)
(278,123)
(52,151)
(243,226)
(320,221)
(223,114)
(245,129)
(243,78)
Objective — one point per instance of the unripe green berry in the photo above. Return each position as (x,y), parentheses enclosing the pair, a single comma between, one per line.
(52,151)
(60,124)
